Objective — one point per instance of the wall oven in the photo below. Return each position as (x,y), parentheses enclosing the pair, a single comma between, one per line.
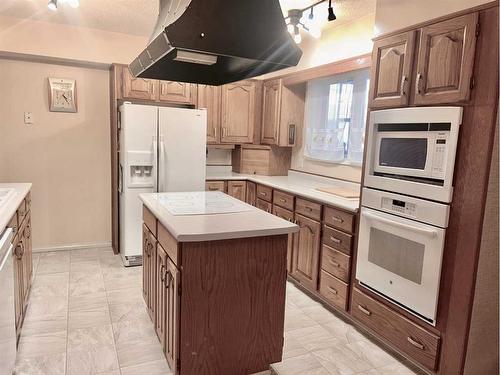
(412,151)
(400,250)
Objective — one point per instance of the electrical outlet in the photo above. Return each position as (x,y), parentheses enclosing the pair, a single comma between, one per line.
(29,119)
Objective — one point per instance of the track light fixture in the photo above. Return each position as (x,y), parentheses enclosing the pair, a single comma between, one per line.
(295,21)
(52,5)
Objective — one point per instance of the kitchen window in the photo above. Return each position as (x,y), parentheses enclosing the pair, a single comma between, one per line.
(335,117)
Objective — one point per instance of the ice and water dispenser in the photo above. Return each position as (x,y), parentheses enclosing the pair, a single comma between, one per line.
(139,171)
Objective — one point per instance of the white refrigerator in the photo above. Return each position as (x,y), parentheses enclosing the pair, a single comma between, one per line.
(161,149)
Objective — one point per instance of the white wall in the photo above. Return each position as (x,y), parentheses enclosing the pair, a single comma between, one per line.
(393,15)
(65,155)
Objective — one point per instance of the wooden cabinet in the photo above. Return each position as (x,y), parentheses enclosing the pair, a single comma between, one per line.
(445,61)
(442,71)
(283,199)
(333,289)
(263,205)
(265,193)
(392,60)
(177,92)
(237,189)
(171,313)
(160,295)
(282,112)
(215,186)
(251,193)
(149,246)
(209,99)
(138,88)
(306,248)
(286,215)
(238,112)
(19,248)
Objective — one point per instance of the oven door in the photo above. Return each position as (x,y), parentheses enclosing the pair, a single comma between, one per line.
(401,260)
(404,153)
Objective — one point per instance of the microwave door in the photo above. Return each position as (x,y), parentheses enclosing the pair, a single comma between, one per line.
(403,154)
(401,259)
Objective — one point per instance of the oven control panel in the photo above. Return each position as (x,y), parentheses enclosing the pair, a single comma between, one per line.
(399,207)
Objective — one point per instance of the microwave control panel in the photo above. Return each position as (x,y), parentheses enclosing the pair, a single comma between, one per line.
(439,157)
(399,207)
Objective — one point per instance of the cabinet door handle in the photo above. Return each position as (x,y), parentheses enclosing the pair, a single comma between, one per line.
(263,193)
(418,83)
(403,86)
(168,277)
(308,208)
(333,263)
(336,240)
(337,219)
(415,343)
(333,290)
(162,274)
(364,310)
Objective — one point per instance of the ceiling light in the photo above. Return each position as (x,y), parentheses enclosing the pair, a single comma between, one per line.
(289,27)
(73,3)
(52,5)
(296,37)
(331,15)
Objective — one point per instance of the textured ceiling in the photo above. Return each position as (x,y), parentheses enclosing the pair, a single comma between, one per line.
(137,17)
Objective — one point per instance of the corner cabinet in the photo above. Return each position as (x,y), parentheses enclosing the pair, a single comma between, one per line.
(441,72)
(238,112)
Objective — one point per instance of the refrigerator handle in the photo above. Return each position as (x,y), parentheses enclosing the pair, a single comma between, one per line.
(155,164)
(120,179)
(161,162)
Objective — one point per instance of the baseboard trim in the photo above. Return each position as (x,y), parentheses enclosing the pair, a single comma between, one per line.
(73,247)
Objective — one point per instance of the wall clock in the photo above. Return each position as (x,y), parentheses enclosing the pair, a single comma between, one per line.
(62,95)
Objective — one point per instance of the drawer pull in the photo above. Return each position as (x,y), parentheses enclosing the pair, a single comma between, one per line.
(333,290)
(337,219)
(336,240)
(263,193)
(415,343)
(308,208)
(364,310)
(282,200)
(333,263)
(212,188)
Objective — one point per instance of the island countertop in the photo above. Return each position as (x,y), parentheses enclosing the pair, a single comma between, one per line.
(8,209)
(250,222)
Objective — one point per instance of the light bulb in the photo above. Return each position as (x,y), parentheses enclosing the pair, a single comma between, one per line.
(74,3)
(289,27)
(52,5)
(297,38)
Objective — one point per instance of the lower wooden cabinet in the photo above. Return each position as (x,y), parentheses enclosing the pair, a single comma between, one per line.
(286,215)
(171,306)
(149,250)
(237,189)
(161,269)
(305,254)
(333,289)
(263,205)
(215,186)
(251,193)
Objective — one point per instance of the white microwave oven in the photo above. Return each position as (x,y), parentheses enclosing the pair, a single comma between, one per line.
(412,151)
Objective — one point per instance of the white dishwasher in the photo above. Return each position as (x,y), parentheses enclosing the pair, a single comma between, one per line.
(7,309)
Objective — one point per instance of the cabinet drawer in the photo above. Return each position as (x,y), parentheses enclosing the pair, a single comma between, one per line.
(412,339)
(333,289)
(308,208)
(263,205)
(168,242)
(284,214)
(283,200)
(337,239)
(336,263)
(215,186)
(339,219)
(264,192)
(149,219)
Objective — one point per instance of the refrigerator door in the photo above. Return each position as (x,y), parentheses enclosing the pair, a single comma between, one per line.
(181,149)
(138,139)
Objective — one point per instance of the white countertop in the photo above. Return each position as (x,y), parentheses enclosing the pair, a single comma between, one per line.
(297,183)
(210,227)
(9,208)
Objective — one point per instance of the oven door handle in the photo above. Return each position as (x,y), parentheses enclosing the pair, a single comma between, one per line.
(428,232)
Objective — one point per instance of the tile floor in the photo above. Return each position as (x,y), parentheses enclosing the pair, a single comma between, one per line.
(86,316)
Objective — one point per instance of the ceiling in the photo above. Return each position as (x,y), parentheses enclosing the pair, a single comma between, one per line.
(137,17)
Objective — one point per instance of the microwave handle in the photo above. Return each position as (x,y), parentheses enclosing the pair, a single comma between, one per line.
(428,232)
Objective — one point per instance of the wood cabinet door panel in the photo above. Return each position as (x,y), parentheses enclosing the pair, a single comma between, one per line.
(215,186)
(265,193)
(251,193)
(237,189)
(339,219)
(145,264)
(390,77)
(446,60)
(306,248)
(209,99)
(160,296)
(286,215)
(263,205)
(138,88)
(18,281)
(238,112)
(333,289)
(175,92)
(336,263)
(172,285)
(271,112)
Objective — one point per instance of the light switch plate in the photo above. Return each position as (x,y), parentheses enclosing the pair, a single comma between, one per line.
(29,118)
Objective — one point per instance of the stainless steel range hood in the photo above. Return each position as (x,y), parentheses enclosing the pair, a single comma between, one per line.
(217,42)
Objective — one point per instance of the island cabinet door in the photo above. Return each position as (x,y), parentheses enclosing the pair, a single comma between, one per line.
(18,282)
(161,292)
(172,280)
(145,263)
(286,215)
(27,261)
(237,189)
(251,193)
(306,248)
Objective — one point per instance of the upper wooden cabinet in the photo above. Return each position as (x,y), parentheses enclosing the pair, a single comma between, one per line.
(177,92)
(446,60)
(238,112)
(391,73)
(138,88)
(282,112)
(209,99)
(442,69)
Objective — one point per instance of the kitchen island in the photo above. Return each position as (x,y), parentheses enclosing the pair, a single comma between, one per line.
(214,279)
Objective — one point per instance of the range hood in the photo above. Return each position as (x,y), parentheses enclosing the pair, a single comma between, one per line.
(217,41)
